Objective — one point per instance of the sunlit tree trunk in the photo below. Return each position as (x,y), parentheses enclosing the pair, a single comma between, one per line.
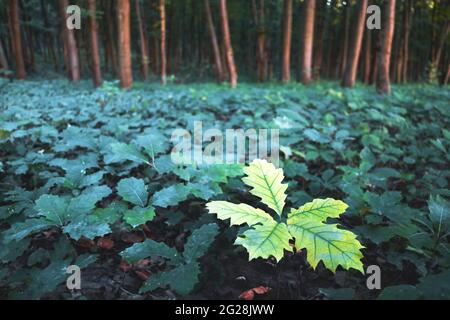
(16,39)
(227,43)
(214,42)
(97,78)
(142,41)
(287,41)
(162,13)
(383,83)
(355,49)
(123,13)
(308,41)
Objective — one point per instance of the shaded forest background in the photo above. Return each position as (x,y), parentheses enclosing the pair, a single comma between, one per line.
(226,40)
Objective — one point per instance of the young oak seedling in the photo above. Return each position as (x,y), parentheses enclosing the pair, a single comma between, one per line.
(307,225)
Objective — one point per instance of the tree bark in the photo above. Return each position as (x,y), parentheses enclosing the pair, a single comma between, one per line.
(142,41)
(70,44)
(123,14)
(92,20)
(48,35)
(214,42)
(367,56)
(261,53)
(407,26)
(383,83)
(110,47)
(227,43)
(308,40)
(162,13)
(287,41)
(3,61)
(447,76)
(344,49)
(355,49)
(17,39)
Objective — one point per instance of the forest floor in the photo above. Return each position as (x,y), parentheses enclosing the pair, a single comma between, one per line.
(67,153)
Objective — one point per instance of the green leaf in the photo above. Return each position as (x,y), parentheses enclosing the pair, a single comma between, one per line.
(439,213)
(266,180)
(133,190)
(399,292)
(20,230)
(263,241)
(181,279)
(150,248)
(170,196)
(319,209)
(54,208)
(199,242)
(128,152)
(139,216)
(327,243)
(238,213)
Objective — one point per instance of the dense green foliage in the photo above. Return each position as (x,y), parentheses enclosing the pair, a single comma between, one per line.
(79,164)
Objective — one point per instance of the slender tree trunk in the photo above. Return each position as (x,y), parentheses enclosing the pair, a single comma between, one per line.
(227,43)
(308,41)
(261,54)
(287,41)
(70,44)
(123,13)
(407,26)
(162,13)
(367,56)
(383,82)
(344,52)
(142,41)
(17,39)
(214,42)
(49,36)
(110,45)
(447,76)
(97,79)
(355,50)
(322,24)
(3,61)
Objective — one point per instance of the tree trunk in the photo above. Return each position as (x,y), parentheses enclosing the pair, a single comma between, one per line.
(261,54)
(3,61)
(48,35)
(383,83)
(355,50)
(162,13)
(344,49)
(447,76)
(17,39)
(142,41)
(70,44)
(287,41)
(308,40)
(322,24)
(214,42)
(110,45)
(92,20)
(123,14)
(407,28)
(368,57)
(227,43)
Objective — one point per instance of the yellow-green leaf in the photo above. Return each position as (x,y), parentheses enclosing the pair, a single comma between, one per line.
(238,213)
(266,180)
(319,209)
(263,241)
(327,243)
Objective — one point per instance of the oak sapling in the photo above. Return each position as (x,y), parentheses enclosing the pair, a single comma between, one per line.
(306,225)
